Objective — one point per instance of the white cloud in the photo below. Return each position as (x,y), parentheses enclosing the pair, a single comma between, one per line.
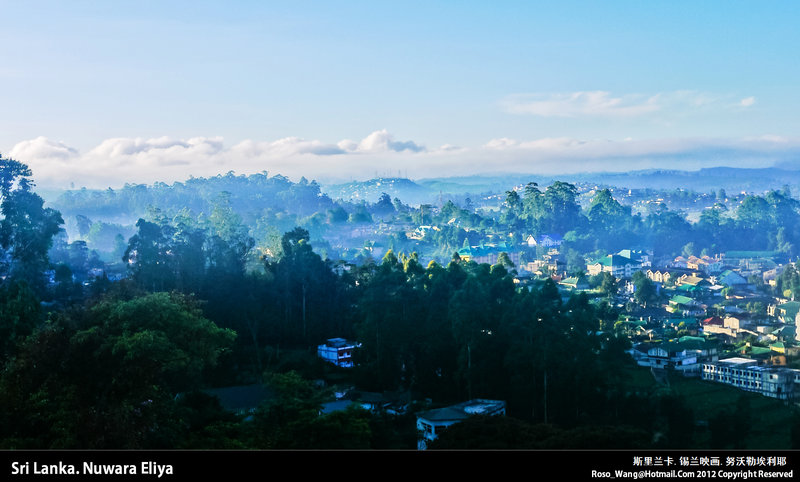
(602,104)
(136,160)
(133,154)
(42,148)
(382,141)
(580,104)
(118,160)
(567,155)
(288,146)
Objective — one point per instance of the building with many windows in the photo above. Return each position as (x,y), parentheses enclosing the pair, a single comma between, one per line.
(618,266)
(746,374)
(685,355)
(338,351)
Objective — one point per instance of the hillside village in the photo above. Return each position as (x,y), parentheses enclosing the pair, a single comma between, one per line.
(674,274)
(698,313)
(713,318)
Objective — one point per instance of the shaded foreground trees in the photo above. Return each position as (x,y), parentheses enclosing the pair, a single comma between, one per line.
(107,376)
(465,331)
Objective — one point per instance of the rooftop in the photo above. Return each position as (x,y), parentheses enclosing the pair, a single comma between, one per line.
(614,260)
(737,361)
(463,410)
(681,300)
(338,343)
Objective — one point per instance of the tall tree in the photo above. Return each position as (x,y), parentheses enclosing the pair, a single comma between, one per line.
(27,228)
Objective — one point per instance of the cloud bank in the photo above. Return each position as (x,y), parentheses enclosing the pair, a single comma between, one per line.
(117,161)
(602,104)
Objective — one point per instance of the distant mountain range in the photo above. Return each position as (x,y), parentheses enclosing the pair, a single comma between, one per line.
(431,190)
(728,178)
(704,180)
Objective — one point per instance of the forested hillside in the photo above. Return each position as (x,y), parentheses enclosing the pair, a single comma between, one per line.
(220,284)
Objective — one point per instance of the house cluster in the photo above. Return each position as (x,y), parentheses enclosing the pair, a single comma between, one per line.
(430,423)
(714,320)
(489,254)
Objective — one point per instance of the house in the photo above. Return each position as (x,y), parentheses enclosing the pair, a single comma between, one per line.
(778,347)
(733,323)
(670,355)
(684,355)
(731,278)
(693,280)
(664,275)
(729,331)
(422,231)
(786,332)
(706,264)
(751,259)
(555,263)
(488,254)
(680,262)
(685,305)
(338,351)
(432,423)
(759,353)
(644,258)
(770,277)
(785,312)
(692,290)
(546,240)
(745,373)
(393,403)
(575,283)
(658,276)
(618,266)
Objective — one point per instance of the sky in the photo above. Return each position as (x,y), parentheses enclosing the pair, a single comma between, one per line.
(99,93)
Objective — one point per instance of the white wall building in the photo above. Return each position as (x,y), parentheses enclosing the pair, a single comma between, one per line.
(618,266)
(338,351)
(431,423)
(745,373)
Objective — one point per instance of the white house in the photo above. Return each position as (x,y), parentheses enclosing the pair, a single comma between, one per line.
(431,423)
(643,258)
(338,351)
(683,356)
(618,266)
(546,240)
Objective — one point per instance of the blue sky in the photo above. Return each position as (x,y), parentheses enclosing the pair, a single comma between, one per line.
(103,93)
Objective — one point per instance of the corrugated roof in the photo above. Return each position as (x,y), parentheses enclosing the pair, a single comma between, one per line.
(462,410)
(681,300)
